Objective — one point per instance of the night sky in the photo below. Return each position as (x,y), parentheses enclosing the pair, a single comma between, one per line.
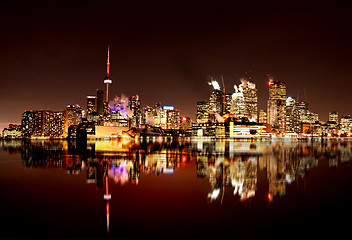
(54,54)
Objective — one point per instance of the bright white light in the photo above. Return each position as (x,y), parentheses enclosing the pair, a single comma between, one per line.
(215,84)
(168,108)
(214,194)
(107,81)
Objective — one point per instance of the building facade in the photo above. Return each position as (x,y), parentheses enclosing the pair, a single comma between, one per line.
(277,105)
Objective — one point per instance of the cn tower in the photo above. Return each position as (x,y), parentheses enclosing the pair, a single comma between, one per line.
(107,79)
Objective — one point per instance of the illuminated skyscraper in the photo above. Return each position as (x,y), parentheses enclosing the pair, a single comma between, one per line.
(73,116)
(290,103)
(277,105)
(245,101)
(135,107)
(216,102)
(202,112)
(107,79)
(91,104)
(170,118)
(152,115)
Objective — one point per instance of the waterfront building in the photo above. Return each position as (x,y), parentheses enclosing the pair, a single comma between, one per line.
(263,118)
(44,123)
(310,118)
(334,117)
(12,132)
(346,124)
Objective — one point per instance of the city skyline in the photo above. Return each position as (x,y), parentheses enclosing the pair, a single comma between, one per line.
(53,56)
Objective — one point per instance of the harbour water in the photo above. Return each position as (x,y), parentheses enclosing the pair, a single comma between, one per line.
(185,188)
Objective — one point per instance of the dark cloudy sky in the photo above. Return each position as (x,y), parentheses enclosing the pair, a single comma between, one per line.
(54,54)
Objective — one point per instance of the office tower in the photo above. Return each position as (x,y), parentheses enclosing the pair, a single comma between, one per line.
(91,104)
(238,107)
(56,124)
(250,100)
(262,116)
(107,79)
(334,117)
(228,103)
(100,102)
(202,112)
(135,107)
(148,115)
(73,116)
(153,115)
(245,101)
(216,102)
(290,103)
(277,105)
(170,118)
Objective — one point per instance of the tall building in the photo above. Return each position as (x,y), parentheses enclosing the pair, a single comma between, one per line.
(202,112)
(153,115)
(245,101)
(107,79)
(73,116)
(135,107)
(170,118)
(216,102)
(228,103)
(238,107)
(290,118)
(277,105)
(91,104)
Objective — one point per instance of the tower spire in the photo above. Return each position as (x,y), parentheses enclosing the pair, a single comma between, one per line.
(108,63)
(107,79)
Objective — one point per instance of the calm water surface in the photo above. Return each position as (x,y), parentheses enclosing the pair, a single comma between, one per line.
(160,188)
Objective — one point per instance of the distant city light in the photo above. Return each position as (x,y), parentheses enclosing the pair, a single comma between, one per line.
(168,108)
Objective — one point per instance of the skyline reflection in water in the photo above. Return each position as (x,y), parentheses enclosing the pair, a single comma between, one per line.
(184,178)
